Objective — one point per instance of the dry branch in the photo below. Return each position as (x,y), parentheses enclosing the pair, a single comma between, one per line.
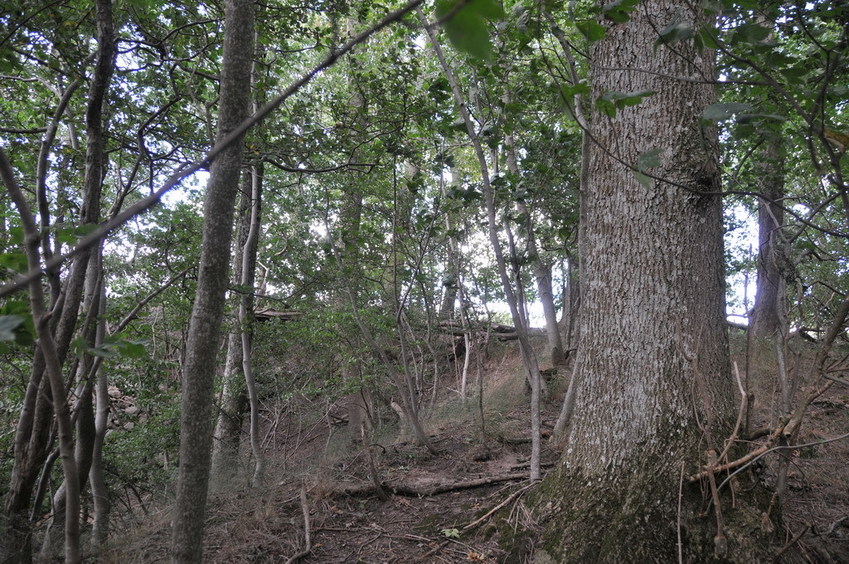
(512,497)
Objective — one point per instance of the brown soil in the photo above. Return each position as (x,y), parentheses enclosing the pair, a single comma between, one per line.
(438,507)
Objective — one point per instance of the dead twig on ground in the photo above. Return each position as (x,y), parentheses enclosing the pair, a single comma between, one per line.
(790,543)
(831,528)
(512,497)
(790,424)
(305,508)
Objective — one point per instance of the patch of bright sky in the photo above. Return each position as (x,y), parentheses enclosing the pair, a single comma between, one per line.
(741,243)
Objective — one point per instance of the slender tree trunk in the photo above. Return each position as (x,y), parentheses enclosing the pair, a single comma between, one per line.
(238,376)
(205,324)
(31,438)
(97,478)
(227,436)
(768,328)
(655,386)
(451,280)
(580,111)
(528,355)
(47,345)
(348,261)
(84,409)
(542,270)
(246,307)
(771,295)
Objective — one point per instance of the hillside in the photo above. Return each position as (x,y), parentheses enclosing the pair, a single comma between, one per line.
(464,505)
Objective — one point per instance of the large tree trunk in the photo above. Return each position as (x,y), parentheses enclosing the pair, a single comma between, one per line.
(205,324)
(238,376)
(654,385)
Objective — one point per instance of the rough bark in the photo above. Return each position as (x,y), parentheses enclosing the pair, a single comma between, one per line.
(238,381)
(208,309)
(655,387)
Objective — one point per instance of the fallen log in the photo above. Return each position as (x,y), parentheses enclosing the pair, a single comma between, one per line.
(429,487)
(266,313)
(499,331)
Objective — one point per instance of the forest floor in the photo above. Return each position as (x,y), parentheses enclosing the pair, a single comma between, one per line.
(464,504)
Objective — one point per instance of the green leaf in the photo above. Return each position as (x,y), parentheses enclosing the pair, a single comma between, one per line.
(467,27)
(490,9)
(70,235)
(606,107)
(646,160)
(131,349)
(610,102)
(16,235)
(722,111)
(649,159)
(708,37)
(751,33)
(468,33)
(620,10)
(622,99)
(16,262)
(8,327)
(593,31)
(25,330)
(451,533)
(674,32)
(643,179)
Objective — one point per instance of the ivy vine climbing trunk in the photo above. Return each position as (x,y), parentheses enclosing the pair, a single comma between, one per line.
(654,392)
(205,324)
